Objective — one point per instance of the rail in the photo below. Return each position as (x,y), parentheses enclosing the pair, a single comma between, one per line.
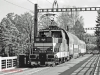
(8,63)
(90,67)
(94,71)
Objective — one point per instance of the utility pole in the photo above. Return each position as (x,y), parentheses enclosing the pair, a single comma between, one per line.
(35,21)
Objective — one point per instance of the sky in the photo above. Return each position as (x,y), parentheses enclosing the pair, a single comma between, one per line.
(22,6)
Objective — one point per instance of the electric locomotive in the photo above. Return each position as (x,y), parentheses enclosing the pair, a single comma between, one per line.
(52,46)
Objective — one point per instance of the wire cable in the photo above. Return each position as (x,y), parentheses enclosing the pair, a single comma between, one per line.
(17,5)
(49,2)
(32,3)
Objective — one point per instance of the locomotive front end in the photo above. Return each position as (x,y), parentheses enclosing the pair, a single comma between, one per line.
(50,47)
(42,52)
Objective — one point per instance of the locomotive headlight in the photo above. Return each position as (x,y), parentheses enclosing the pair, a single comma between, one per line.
(51,49)
(34,49)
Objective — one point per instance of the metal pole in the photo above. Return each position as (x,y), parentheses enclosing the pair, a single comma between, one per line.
(35,21)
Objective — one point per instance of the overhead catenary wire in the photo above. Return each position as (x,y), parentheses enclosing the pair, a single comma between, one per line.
(49,1)
(17,5)
(32,3)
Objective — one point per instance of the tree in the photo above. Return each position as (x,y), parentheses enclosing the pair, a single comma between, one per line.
(17,31)
(79,30)
(44,20)
(72,22)
(10,32)
(91,47)
(90,38)
(97,32)
(65,20)
(1,40)
(25,24)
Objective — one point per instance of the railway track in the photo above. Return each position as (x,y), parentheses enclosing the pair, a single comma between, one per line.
(89,67)
(96,70)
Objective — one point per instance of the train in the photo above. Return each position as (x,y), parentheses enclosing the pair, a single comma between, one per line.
(54,45)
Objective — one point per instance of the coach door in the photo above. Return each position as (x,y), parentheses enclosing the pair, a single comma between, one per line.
(42,57)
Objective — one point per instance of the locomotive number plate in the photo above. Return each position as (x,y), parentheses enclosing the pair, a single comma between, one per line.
(42,51)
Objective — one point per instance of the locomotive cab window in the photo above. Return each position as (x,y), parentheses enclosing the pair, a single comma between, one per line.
(44,34)
(56,34)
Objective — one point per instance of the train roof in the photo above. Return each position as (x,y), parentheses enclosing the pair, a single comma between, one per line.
(72,38)
(82,42)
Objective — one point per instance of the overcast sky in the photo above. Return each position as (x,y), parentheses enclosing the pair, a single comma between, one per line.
(26,6)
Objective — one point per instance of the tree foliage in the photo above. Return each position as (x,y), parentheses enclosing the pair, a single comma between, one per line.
(17,31)
(90,38)
(72,22)
(91,46)
(24,24)
(45,20)
(97,32)
(79,30)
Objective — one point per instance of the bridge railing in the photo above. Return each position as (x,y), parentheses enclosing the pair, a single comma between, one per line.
(8,63)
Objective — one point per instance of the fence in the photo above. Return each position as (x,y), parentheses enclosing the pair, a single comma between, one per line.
(8,63)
